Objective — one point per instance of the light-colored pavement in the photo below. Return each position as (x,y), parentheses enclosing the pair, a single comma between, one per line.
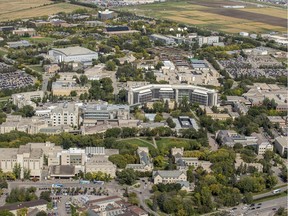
(268,193)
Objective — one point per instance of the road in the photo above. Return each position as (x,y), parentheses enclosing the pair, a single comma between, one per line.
(268,193)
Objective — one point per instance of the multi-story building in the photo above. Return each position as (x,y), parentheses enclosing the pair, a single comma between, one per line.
(230,138)
(145,163)
(74,54)
(100,164)
(169,176)
(106,14)
(163,39)
(263,144)
(65,114)
(208,40)
(25,31)
(91,113)
(281,145)
(26,157)
(26,98)
(194,94)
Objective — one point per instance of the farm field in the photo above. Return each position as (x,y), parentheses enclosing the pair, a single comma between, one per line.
(32,8)
(210,14)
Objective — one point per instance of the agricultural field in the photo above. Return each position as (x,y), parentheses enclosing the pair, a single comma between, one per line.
(19,9)
(210,14)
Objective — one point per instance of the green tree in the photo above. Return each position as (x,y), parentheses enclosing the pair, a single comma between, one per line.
(27,173)
(27,111)
(159,161)
(83,80)
(110,65)
(248,198)
(6,213)
(158,117)
(127,176)
(118,160)
(46,195)
(41,213)
(22,212)
(17,170)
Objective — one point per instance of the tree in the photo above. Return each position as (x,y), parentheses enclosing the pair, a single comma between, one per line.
(27,173)
(271,181)
(83,80)
(118,160)
(110,65)
(158,117)
(46,195)
(127,176)
(159,161)
(6,213)
(248,198)
(73,93)
(17,170)
(170,122)
(184,105)
(41,213)
(27,111)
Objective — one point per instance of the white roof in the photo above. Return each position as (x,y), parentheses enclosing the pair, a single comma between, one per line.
(77,50)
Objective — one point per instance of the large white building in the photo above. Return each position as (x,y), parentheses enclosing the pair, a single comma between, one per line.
(208,40)
(73,54)
(64,114)
(194,94)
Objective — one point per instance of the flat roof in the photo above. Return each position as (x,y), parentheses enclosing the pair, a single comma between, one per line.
(77,50)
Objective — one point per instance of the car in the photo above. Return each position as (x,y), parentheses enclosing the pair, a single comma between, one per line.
(244,207)
(274,209)
(252,205)
(259,203)
(234,208)
(252,208)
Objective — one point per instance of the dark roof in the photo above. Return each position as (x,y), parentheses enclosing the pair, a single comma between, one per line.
(21,205)
(117,28)
(62,170)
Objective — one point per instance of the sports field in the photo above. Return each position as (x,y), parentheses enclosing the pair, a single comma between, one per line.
(18,9)
(212,15)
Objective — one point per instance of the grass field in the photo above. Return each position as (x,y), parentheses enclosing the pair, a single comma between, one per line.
(138,142)
(165,144)
(18,9)
(37,68)
(211,15)
(39,39)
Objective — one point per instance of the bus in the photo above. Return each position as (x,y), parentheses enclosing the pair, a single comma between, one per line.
(57,185)
(84,182)
(276,191)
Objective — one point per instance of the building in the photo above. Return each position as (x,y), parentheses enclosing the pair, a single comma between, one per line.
(163,39)
(183,163)
(145,161)
(16,44)
(27,98)
(278,120)
(281,145)
(106,14)
(40,205)
(92,113)
(169,176)
(25,31)
(53,68)
(263,144)
(31,125)
(65,114)
(208,40)
(119,30)
(240,163)
(230,138)
(73,54)
(194,94)
(99,163)
(244,34)
(28,158)
(67,84)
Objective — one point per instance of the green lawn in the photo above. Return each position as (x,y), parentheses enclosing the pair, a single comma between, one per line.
(138,142)
(3,99)
(36,40)
(274,196)
(165,144)
(37,68)
(2,52)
